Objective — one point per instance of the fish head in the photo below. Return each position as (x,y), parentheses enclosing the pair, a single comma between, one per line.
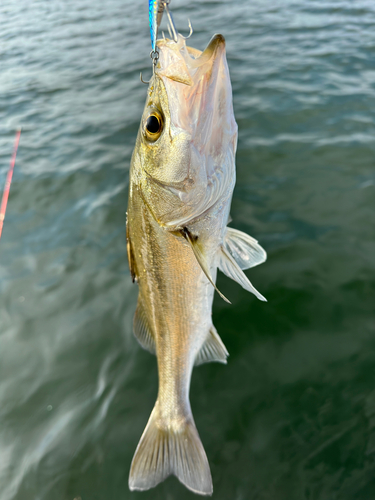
(188,135)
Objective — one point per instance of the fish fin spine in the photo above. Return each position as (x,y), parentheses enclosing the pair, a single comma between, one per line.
(170,449)
(230,268)
(142,330)
(213,349)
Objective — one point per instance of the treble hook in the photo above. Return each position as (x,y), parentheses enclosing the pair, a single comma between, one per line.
(190,32)
(140,76)
(154,54)
(171,26)
(155,20)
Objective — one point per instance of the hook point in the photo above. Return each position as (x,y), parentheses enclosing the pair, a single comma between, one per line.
(141,78)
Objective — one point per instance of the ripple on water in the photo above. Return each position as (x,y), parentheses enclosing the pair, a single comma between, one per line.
(75,389)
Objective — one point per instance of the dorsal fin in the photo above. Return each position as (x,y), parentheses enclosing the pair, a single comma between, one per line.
(245,250)
(142,329)
(229,266)
(196,247)
(213,349)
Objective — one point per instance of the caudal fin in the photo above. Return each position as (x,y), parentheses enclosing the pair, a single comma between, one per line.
(173,449)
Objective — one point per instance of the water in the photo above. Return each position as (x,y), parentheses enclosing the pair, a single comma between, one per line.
(292,415)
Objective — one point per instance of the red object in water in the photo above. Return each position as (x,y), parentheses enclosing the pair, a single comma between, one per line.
(8,181)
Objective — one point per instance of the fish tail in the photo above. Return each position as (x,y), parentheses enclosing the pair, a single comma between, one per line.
(173,448)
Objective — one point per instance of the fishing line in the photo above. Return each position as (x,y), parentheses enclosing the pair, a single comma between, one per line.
(8,181)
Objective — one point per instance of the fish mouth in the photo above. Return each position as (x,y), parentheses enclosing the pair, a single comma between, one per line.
(181,62)
(199,58)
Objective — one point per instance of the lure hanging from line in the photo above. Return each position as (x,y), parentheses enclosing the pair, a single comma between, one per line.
(156,9)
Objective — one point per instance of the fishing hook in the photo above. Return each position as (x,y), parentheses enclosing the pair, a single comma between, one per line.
(173,33)
(141,78)
(154,54)
(172,27)
(191,31)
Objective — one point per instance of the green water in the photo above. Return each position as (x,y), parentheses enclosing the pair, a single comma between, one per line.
(292,415)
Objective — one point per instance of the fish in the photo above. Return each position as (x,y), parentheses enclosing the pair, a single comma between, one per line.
(182,177)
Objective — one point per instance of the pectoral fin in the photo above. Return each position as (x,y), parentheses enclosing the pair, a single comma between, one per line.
(196,247)
(245,250)
(212,350)
(142,329)
(229,266)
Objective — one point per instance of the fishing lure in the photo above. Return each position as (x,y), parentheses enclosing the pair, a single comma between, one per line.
(156,9)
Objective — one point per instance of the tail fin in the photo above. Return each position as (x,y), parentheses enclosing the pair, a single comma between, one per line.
(170,449)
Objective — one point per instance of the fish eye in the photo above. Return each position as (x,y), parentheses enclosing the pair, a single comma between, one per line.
(153,126)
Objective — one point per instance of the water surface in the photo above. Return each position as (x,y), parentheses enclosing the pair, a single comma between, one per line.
(292,415)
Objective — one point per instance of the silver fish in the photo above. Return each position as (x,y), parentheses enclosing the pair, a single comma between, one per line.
(181,182)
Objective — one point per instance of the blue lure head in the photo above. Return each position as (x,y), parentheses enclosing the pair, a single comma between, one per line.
(155,9)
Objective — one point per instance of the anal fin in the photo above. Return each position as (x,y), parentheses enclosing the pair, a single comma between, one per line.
(142,329)
(213,349)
